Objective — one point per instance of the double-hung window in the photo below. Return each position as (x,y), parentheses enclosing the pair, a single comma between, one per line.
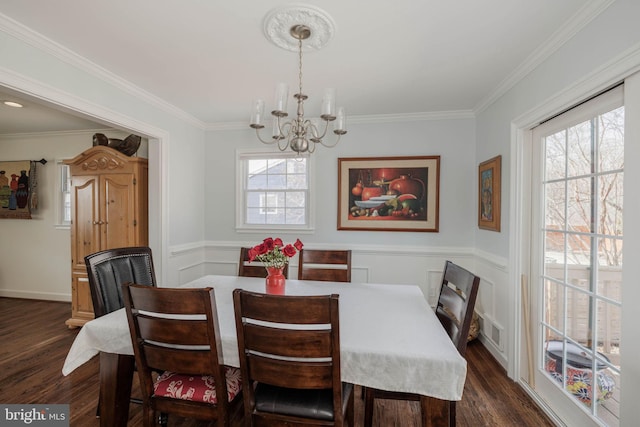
(273,191)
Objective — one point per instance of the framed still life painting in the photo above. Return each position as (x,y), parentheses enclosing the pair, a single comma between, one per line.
(489,194)
(389,193)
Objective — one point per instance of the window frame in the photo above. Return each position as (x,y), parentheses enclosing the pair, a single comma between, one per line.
(547,387)
(242,156)
(59,199)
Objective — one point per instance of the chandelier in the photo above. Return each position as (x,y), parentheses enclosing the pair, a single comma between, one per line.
(299,133)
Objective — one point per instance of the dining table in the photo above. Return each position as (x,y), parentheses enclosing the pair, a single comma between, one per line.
(390,339)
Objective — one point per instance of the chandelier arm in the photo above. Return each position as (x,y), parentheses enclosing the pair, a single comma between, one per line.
(262,140)
(283,147)
(331,145)
(326,127)
(279,126)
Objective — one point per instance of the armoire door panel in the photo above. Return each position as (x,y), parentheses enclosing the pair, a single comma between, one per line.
(85,218)
(118,211)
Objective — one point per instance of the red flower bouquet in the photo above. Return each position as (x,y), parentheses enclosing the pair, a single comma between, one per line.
(273,253)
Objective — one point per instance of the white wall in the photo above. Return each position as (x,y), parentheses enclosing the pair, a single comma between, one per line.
(452,140)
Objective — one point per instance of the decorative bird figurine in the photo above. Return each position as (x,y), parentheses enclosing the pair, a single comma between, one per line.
(129,146)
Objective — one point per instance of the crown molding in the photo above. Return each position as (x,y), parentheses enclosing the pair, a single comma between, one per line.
(414,117)
(30,135)
(546,49)
(40,42)
(68,101)
(600,79)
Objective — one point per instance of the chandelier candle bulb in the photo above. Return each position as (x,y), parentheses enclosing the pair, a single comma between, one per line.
(341,122)
(282,93)
(328,103)
(276,129)
(257,113)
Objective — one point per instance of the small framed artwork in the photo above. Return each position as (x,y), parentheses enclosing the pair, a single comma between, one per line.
(17,187)
(489,194)
(389,193)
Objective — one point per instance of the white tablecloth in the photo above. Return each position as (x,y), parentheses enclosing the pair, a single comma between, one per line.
(389,336)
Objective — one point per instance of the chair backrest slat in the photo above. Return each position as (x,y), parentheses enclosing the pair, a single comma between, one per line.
(288,342)
(301,375)
(324,265)
(174,332)
(195,362)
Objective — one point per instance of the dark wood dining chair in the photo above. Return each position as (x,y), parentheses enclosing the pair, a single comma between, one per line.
(458,292)
(324,265)
(289,348)
(254,268)
(176,332)
(107,270)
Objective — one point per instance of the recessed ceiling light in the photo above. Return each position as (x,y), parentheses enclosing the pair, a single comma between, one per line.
(12,104)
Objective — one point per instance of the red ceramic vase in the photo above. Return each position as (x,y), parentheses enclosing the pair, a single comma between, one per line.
(275,281)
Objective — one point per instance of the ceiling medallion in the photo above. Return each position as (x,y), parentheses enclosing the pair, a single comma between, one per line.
(278,23)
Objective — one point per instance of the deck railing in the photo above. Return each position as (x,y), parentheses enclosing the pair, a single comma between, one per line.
(580,315)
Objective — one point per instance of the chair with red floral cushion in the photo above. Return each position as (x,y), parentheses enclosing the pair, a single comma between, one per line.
(254,268)
(324,265)
(176,331)
(289,348)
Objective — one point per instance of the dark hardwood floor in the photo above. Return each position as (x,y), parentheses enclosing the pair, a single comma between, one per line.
(35,342)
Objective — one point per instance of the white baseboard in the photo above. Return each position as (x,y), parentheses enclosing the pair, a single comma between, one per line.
(46,296)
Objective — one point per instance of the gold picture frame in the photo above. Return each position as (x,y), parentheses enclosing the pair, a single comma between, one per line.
(389,193)
(489,194)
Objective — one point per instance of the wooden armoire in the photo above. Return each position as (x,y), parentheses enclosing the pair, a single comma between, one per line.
(109,209)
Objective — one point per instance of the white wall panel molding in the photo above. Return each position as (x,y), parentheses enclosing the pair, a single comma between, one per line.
(186,248)
(492,260)
(363,249)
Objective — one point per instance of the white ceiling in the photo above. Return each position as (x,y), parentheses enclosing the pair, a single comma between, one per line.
(211,59)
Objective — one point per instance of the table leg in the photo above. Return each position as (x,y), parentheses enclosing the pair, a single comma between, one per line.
(436,412)
(116,376)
